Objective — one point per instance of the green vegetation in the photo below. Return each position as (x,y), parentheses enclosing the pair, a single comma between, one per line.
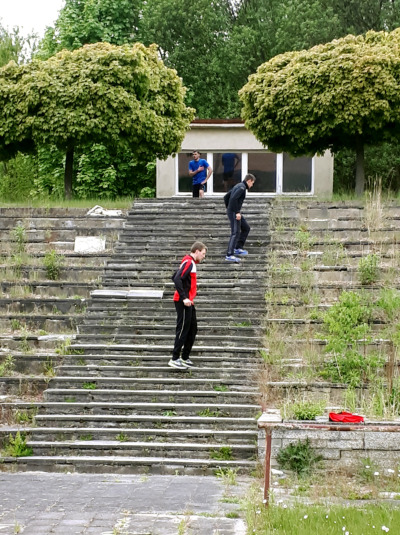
(53,263)
(122,437)
(303,409)
(19,236)
(222,454)
(348,325)
(299,457)
(7,367)
(322,77)
(71,112)
(16,446)
(89,386)
(368,269)
(302,519)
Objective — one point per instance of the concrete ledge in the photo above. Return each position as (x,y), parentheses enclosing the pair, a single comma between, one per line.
(128,294)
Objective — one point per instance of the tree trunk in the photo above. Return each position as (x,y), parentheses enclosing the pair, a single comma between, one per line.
(69,167)
(360,172)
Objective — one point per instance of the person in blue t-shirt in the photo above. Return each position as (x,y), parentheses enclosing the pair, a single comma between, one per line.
(197,170)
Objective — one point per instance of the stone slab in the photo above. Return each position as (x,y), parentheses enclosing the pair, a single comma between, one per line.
(89,244)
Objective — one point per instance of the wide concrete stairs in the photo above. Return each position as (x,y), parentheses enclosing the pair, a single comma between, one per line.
(114,404)
(314,256)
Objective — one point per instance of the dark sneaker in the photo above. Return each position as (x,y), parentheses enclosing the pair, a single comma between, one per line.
(177,364)
(188,363)
(232,258)
(243,252)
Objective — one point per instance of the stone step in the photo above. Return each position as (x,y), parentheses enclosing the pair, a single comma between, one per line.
(42,305)
(32,364)
(50,323)
(216,371)
(182,380)
(141,350)
(168,339)
(70,273)
(166,315)
(126,465)
(149,421)
(52,234)
(219,361)
(168,450)
(124,329)
(207,404)
(41,343)
(54,289)
(199,436)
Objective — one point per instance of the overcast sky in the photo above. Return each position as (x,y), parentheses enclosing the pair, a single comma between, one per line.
(29,14)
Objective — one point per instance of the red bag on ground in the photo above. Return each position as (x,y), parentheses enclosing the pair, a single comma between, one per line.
(345,417)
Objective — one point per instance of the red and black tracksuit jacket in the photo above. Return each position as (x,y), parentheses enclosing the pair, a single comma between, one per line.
(185,280)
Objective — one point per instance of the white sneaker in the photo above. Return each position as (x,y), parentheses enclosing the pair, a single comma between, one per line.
(177,364)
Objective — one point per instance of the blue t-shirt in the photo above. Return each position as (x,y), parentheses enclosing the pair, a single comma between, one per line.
(202,175)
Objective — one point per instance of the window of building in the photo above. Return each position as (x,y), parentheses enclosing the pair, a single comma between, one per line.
(227,170)
(184,180)
(263,166)
(276,173)
(297,174)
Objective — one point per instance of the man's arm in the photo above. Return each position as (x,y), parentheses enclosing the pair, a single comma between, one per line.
(209,173)
(192,172)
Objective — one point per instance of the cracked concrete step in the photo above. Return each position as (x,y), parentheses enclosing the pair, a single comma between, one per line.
(43,305)
(150,421)
(126,465)
(135,350)
(167,328)
(241,436)
(218,372)
(156,338)
(55,410)
(168,450)
(48,289)
(211,362)
(181,381)
(151,401)
(164,317)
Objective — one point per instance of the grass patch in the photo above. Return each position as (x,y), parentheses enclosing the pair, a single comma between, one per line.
(301,519)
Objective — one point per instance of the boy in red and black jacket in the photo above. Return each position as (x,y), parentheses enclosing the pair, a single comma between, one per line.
(185,280)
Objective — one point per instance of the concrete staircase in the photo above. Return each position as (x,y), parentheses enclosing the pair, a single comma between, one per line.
(314,256)
(114,404)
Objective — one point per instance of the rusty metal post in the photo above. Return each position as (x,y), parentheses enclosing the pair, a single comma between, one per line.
(267,477)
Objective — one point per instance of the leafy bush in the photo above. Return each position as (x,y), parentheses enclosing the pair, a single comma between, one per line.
(303,409)
(348,329)
(16,446)
(368,269)
(299,457)
(53,263)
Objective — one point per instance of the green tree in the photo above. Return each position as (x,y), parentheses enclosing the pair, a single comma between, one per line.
(15,47)
(121,97)
(192,38)
(84,22)
(344,94)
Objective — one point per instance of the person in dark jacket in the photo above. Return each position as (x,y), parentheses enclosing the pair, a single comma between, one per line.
(185,280)
(239,227)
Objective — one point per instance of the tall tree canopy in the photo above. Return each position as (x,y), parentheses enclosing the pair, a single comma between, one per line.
(118,96)
(342,94)
(192,37)
(84,22)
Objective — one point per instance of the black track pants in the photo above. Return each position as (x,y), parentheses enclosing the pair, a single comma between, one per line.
(186,330)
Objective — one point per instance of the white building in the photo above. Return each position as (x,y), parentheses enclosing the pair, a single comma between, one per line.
(227,144)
